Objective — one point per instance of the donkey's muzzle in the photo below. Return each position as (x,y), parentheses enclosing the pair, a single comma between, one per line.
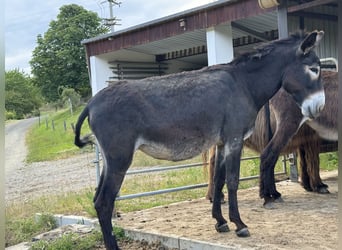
(313,105)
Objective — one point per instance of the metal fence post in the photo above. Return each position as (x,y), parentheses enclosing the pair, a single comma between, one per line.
(97,163)
(293,167)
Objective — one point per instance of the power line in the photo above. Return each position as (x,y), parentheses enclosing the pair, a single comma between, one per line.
(111,21)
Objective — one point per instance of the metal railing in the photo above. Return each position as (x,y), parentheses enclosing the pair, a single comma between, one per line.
(178,167)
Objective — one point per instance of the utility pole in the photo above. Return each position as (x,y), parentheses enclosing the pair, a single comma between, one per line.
(111,21)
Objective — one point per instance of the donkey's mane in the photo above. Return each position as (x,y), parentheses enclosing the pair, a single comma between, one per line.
(264,49)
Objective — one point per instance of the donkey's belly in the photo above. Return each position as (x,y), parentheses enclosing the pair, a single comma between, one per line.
(174,151)
(324,132)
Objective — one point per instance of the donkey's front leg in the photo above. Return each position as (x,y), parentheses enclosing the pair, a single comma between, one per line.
(219,179)
(232,162)
(268,189)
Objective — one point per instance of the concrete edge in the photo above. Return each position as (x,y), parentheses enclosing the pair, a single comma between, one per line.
(181,243)
(135,234)
(63,220)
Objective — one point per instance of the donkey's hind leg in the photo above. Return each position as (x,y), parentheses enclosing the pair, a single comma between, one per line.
(211,170)
(309,164)
(111,180)
(232,162)
(98,187)
(219,179)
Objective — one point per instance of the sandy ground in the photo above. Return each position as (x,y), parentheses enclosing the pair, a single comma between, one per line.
(304,221)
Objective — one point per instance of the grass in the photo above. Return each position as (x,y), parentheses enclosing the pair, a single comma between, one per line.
(329,161)
(21,230)
(71,241)
(44,143)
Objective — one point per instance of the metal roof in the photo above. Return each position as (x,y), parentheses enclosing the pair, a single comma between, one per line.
(253,25)
(160,20)
(261,24)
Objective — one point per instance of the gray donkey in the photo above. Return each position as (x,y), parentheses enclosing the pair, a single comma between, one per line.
(179,116)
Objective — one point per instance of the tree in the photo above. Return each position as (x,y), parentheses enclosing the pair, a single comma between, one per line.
(70,98)
(21,96)
(59,59)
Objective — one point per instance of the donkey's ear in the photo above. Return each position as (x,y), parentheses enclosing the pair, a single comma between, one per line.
(310,41)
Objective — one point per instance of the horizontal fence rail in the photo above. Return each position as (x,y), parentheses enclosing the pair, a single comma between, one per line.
(177,167)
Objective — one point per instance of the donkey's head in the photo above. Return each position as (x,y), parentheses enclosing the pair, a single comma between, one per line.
(302,77)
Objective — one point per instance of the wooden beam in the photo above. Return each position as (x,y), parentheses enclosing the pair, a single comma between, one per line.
(314,15)
(303,6)
(251,32)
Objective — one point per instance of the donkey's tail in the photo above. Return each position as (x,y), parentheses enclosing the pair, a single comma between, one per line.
(87,139)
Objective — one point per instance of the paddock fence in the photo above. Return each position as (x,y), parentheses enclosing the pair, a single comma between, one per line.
(290,159)
(51,124)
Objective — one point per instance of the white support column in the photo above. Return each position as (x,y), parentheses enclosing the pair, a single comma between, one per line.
(282,20)
(100,73)
(220,44)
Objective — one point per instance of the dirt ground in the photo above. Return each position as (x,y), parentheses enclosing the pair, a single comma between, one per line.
(304,221)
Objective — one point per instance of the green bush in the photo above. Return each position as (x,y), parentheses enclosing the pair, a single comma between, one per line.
(10,115)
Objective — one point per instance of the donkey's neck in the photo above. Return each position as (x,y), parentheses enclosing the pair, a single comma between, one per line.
(263,79)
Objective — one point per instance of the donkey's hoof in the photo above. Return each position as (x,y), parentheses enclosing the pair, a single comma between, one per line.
(323,190)
(222,228)
(243,232)
(269,205)
(279,200)
(222,201)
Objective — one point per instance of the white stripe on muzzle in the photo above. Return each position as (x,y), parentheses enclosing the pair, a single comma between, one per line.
(313,105)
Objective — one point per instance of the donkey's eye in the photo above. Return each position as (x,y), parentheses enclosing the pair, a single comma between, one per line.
(314,70)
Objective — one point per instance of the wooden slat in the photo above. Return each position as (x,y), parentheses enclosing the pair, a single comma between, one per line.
(309,5)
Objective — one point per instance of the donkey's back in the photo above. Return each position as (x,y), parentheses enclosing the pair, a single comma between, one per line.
(174,117)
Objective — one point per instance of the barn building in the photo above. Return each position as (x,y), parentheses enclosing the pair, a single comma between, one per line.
(206,35)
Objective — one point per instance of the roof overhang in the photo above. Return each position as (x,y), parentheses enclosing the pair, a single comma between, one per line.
(165,29)
(187,29)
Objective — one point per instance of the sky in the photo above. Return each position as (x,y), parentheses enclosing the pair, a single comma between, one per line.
(24,20)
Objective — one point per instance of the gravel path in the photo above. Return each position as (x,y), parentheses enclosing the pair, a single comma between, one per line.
(25,181)
(15,148)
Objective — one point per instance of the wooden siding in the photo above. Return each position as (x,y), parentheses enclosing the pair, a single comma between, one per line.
(200,19)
